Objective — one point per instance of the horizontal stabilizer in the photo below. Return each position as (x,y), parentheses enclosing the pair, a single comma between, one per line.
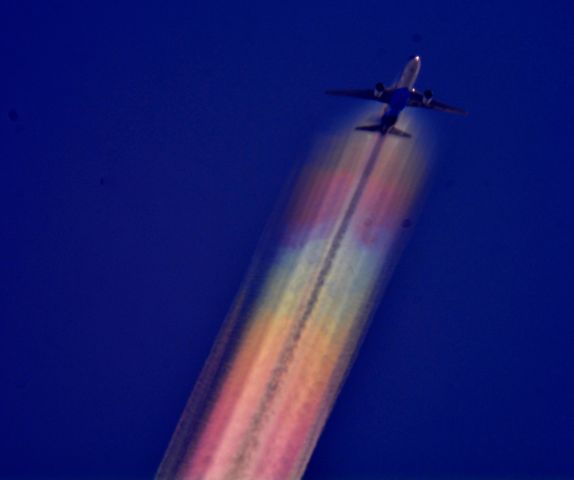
(399,133)
(369,128)
(378,128)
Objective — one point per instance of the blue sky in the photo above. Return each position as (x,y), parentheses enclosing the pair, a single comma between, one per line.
(142,149)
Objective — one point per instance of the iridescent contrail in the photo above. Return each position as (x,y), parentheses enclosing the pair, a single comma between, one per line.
(282,355)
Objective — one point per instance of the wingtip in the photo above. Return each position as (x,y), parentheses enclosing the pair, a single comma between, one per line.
(459,111)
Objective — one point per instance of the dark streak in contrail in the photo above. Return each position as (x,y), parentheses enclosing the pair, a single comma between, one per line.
(286,355)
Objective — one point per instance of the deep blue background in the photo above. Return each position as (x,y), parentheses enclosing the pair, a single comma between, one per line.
(142,149)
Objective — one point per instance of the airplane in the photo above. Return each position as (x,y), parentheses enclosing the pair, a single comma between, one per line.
(400,95)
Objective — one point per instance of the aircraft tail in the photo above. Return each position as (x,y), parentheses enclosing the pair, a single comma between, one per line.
(378,128)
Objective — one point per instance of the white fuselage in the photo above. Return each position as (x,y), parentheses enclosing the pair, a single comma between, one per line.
(410,73)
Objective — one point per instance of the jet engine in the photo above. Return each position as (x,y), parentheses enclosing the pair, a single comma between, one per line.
(379,90)
(427,96)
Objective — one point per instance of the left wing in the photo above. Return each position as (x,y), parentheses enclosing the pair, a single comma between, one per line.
(365,94)
(417,99)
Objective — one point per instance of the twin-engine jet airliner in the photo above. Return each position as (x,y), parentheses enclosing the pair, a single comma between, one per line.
(397,97)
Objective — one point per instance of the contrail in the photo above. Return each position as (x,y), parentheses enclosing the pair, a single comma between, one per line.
(287,353)
(280,359)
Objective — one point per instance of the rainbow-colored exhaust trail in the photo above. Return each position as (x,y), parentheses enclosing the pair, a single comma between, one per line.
(282,355)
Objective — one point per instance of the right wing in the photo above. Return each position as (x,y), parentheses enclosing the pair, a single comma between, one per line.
(417,99)
(364,94)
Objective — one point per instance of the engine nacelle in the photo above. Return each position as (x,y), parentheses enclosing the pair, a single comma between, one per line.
(427,96)
(379,90)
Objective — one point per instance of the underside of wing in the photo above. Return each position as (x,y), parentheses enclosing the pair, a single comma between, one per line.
(418,99)
(364,94)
